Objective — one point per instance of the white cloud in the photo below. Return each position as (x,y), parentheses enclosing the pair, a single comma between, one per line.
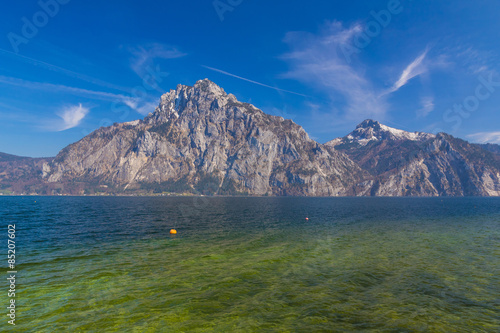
(137,104)
(142,106)
(428,106)
(71,116)
(485,137)
(146,107)
(131,103)
(58,69)
(143,56)
(56,88)
(318,60)
(416,68)
(473,60)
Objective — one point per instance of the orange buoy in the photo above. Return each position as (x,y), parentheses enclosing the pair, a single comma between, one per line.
(173,231)
(307,219)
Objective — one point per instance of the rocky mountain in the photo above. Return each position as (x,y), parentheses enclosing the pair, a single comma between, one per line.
(420,164)
(201,140)
(370,131)
(494,148)
(20,174)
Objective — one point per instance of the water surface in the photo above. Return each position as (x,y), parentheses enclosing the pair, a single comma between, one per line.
(109,264)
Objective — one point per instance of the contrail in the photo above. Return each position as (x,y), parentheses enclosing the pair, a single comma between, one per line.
(100,95)
(65,71)
(251,81)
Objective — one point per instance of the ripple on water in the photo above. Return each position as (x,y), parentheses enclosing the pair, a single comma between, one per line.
(254,264)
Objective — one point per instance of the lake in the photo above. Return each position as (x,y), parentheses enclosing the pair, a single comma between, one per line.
(109,264)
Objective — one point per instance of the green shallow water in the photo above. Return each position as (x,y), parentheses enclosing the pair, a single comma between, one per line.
(256,265)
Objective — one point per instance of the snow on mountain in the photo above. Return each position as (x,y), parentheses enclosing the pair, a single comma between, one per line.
(371,130)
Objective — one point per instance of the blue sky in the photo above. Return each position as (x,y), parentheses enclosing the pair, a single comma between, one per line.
(68,67)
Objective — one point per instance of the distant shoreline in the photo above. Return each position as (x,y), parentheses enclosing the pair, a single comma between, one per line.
(234,196)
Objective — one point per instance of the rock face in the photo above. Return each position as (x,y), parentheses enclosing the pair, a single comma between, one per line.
(202,140)
(21,174)
(420,164)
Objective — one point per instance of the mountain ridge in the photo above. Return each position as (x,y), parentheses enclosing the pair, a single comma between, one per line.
(371,130)
(421,164)
(199,135)
(202,140)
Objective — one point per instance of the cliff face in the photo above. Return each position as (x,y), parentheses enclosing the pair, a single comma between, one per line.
(420,164)
(202,140)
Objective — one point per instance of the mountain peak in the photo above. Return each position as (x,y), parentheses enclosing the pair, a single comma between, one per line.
(371,130)
(206,85)
(369,123)
(203,92)
(201,140)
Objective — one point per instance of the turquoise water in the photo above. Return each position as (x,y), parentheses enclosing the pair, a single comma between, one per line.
(109,264)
